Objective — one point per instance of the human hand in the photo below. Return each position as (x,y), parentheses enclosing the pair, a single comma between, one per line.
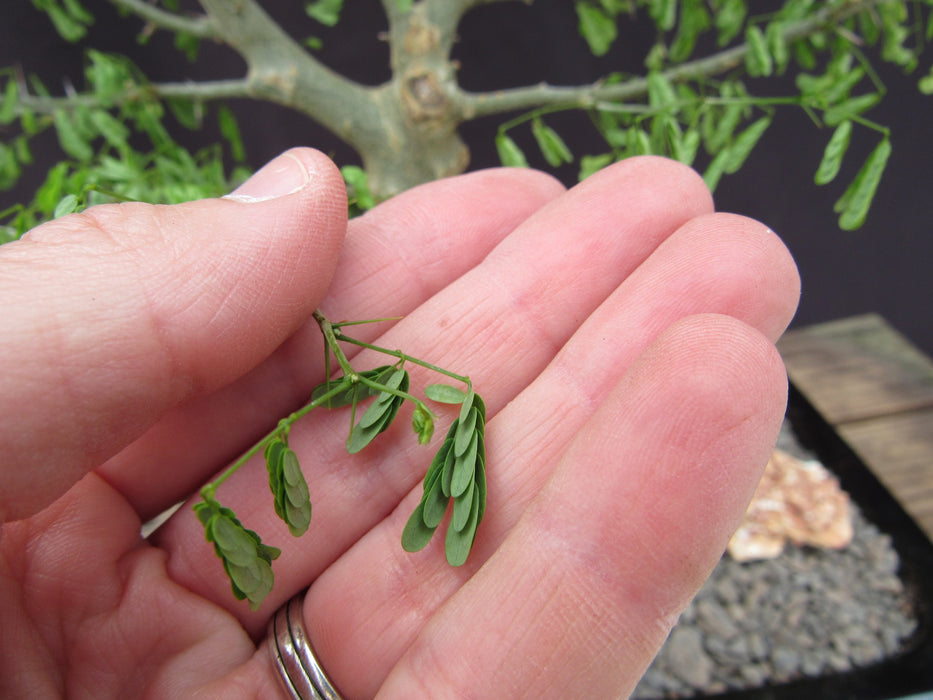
(620,333)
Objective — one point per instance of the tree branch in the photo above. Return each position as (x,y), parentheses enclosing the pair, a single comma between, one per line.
(474,105)
(199,26)
(206,90)
(280,70)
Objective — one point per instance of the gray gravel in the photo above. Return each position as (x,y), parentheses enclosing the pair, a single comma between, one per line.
(806,613)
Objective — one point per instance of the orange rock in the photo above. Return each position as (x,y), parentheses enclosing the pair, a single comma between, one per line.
(797,501)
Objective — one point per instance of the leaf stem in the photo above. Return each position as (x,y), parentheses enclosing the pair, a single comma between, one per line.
(407,358)
(283,427)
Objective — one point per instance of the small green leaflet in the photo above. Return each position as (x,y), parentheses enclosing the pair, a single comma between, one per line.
(67,205)
(445,393)
(327,12)
(850,108)
(743,145)
(854,204)
(728,19)
(833,154)
(596,27)
(10,101)
(758,59)
(590,165)
(70,137)
(509,152)
(552,146)
(231,132)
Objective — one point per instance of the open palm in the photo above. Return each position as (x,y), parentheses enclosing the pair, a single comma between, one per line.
(620,333)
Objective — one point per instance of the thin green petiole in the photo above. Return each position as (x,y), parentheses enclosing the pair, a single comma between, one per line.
(398,392)
(407,358)
(284,425)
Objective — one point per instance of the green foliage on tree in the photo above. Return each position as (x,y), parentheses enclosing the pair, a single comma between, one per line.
(702,95)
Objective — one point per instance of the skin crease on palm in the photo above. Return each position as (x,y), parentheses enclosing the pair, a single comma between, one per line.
(621,334)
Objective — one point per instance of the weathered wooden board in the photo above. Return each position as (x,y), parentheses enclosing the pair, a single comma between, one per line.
(877,389)
(858,368)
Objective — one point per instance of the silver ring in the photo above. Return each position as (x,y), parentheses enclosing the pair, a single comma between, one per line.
(293,656)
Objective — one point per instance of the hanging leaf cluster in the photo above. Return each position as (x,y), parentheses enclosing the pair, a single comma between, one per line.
(458,473)
(288,486)
(247,561)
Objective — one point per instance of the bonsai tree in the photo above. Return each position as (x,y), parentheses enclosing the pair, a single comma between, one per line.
(700,95)
(703,94)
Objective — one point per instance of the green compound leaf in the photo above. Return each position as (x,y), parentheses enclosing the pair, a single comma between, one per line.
(459,476)
(728,19)
(694,20)
(850,108)
(380,413)
(245,559)
(327,12)
(552,146)
(596,27)
(289,488)
(853,206)
(714,171)
(744,143)
(70,137)
(685,149)
(509,152)
(298,500)
(660,91)
(10,101)
(664,13)
(777,45)
(833,154)
(758,59)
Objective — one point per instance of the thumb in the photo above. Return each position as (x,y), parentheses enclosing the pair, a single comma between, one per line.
(115,315)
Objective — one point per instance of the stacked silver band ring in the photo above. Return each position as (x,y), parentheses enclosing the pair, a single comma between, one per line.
(293,656)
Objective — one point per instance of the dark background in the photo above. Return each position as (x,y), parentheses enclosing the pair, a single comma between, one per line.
(882,268)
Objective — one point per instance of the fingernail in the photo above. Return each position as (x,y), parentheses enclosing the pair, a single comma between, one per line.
(280,177)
